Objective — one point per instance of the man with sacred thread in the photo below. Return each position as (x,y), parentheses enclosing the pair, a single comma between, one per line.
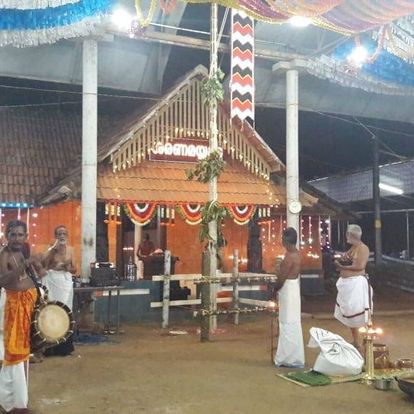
(290,350)
(17,278)
(354,298)
(59,262)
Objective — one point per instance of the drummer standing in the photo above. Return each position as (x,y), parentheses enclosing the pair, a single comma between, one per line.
(21,296)
(58,260)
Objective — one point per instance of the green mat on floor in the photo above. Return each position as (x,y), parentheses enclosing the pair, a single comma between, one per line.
(311,378)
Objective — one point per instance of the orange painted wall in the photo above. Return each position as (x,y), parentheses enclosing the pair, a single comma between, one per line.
(237,237)
(183,241)
(42,223)
(271,237)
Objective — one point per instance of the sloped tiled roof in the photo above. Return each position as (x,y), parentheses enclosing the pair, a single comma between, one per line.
(167,182)
(42,152)
(37,147)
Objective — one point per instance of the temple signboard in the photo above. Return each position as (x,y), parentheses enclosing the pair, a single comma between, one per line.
(180,150)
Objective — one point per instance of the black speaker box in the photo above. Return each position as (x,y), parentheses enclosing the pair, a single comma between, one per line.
(104,276)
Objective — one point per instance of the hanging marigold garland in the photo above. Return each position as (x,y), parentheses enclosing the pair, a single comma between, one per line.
(140,213)
(242,214)
(191,213)
(145,21)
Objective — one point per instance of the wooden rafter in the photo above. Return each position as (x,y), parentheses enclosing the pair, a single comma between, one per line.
(183,115)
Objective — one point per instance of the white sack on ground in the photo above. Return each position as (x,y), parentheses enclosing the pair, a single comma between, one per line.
(337,357)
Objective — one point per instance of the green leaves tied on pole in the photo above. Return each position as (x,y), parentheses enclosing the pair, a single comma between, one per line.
(212,211)
(212,89)
(206,169)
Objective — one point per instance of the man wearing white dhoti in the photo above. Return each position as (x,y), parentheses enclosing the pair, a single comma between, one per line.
(19,302)
(354,292)
(290,350)
(58,260)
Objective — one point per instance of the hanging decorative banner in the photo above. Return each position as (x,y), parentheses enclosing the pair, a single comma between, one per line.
(32,27)
(33,4)
(387,67)
(242,214)
(334,70)
(343,16)
(140,213)
(242,65)
(191,213)
(399,39)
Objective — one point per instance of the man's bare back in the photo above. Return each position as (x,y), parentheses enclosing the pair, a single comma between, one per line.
(290,266)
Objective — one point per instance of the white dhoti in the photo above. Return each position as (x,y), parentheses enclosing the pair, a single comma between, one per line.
(60,286)
(2,303)
(353,301)
(290,350)
(13,386)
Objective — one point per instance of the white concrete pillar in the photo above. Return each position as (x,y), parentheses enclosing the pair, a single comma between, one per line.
(89,154)
(213,146)
(137,240)
(292,147)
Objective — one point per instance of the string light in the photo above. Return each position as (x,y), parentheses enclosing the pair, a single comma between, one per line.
(310,239)
(14,205)
(34,226)
(302,242)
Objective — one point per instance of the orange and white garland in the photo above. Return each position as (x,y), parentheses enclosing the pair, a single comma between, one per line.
(140,213)
(190,212)
(242,214)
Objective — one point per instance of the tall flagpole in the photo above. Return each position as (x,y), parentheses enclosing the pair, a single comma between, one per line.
(209,295)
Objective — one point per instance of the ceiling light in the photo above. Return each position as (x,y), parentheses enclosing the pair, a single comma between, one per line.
(121,18)
(300,21)
(358,56)
(391,189)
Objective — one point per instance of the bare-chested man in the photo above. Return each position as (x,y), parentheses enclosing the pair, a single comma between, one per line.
(354,293)
(290,350)
(59,263)
(20,300)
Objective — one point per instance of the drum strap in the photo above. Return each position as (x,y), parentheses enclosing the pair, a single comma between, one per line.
(32,274)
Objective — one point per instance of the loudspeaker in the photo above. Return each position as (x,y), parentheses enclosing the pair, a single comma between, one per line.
(104,274)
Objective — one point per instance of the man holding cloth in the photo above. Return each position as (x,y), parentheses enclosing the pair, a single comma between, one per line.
(354,292)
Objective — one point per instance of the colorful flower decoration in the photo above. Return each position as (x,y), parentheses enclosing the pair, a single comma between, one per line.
(342,16)
(190,212)
(140,213)
(242,214)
